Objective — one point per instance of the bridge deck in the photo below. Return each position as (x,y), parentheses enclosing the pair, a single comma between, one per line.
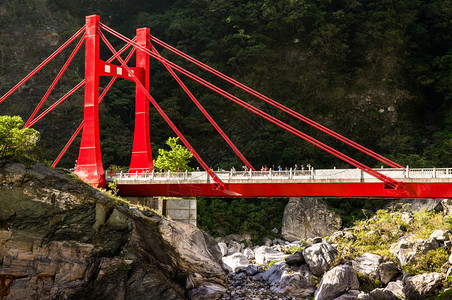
(337,183)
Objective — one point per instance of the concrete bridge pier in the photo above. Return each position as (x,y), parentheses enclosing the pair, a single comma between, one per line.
(178,209)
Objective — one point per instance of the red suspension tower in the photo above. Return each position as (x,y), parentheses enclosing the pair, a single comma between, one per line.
(89,164)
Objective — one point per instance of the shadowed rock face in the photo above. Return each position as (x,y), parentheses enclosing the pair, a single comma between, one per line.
(60,238)
(307,218)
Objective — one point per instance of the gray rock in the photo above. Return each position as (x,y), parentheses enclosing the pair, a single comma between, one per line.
(264,255)
(252,270)
(275,230)
(295,259)
(396,287)
(349,295)
(403,250)
(207,292)
(419,285)
(440,235)
(414,205)
(423,246)
(236,262)
(340,235)
(273,274)
(367,263)
(249,253)
(267,242)
(407,217)
(295,282)
(223,248)
(234,247)
(336,282)
(447,206)
(308,217)
(74,242)
(387,271)
(319,257)
(382,294)
(316,240)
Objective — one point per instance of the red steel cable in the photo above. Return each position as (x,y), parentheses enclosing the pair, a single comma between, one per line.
(218,183)
(278,105)
(41,65)
(72,91)
(107,88)
(206,114)
(57,78)
(57,160)
(330,150)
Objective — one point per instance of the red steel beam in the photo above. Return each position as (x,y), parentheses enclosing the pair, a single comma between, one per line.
(280,190)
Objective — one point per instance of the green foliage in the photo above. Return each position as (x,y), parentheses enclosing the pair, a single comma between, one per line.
(377,234)
(220,217)
(113,187)
(428,262)
(368,283)
(176,159)
(18,143)
(352,210)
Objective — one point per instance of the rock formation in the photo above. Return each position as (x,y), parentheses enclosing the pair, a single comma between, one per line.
(62,239)
(307,218)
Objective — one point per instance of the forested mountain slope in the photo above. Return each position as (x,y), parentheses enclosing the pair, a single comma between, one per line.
(378,72)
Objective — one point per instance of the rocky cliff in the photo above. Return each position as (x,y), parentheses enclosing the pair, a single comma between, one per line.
(62,239)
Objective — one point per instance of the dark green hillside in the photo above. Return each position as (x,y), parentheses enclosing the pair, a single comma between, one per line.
(378,72)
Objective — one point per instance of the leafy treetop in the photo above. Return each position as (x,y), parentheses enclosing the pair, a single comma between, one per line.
(18,143)
(176,159)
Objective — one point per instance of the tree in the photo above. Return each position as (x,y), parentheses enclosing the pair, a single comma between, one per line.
(176,159)
(18,143)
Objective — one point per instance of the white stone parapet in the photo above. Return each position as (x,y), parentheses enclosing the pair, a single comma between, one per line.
(321,175)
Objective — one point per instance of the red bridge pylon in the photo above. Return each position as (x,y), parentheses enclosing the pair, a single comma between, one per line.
(89,163)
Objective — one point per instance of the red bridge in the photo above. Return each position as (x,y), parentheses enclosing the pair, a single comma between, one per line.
(359,181)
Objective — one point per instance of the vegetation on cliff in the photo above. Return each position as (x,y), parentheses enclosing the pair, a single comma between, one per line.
(16,142)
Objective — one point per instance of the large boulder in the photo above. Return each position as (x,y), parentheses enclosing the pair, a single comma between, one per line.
(336,282)
(63,239)
(414,205)
(294,281)
(264,255)
(236,262)
(308,217)
(419,285)
(367,264)
(387,271)
(319,257)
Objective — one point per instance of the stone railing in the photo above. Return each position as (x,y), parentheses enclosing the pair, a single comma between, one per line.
(311,174)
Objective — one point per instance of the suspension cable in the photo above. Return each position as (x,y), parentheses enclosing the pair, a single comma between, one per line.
(218,184)
(74,89)
(57,78)
(41,65)
(107,88)
(206,114)
(278,105)
(289,128)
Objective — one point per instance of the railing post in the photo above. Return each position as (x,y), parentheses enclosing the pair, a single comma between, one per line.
(251,174)
(290,173)
(312,173)
(136,175)
(407,172)
(434,173)
(270,173)
(153,174)
(169,174)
